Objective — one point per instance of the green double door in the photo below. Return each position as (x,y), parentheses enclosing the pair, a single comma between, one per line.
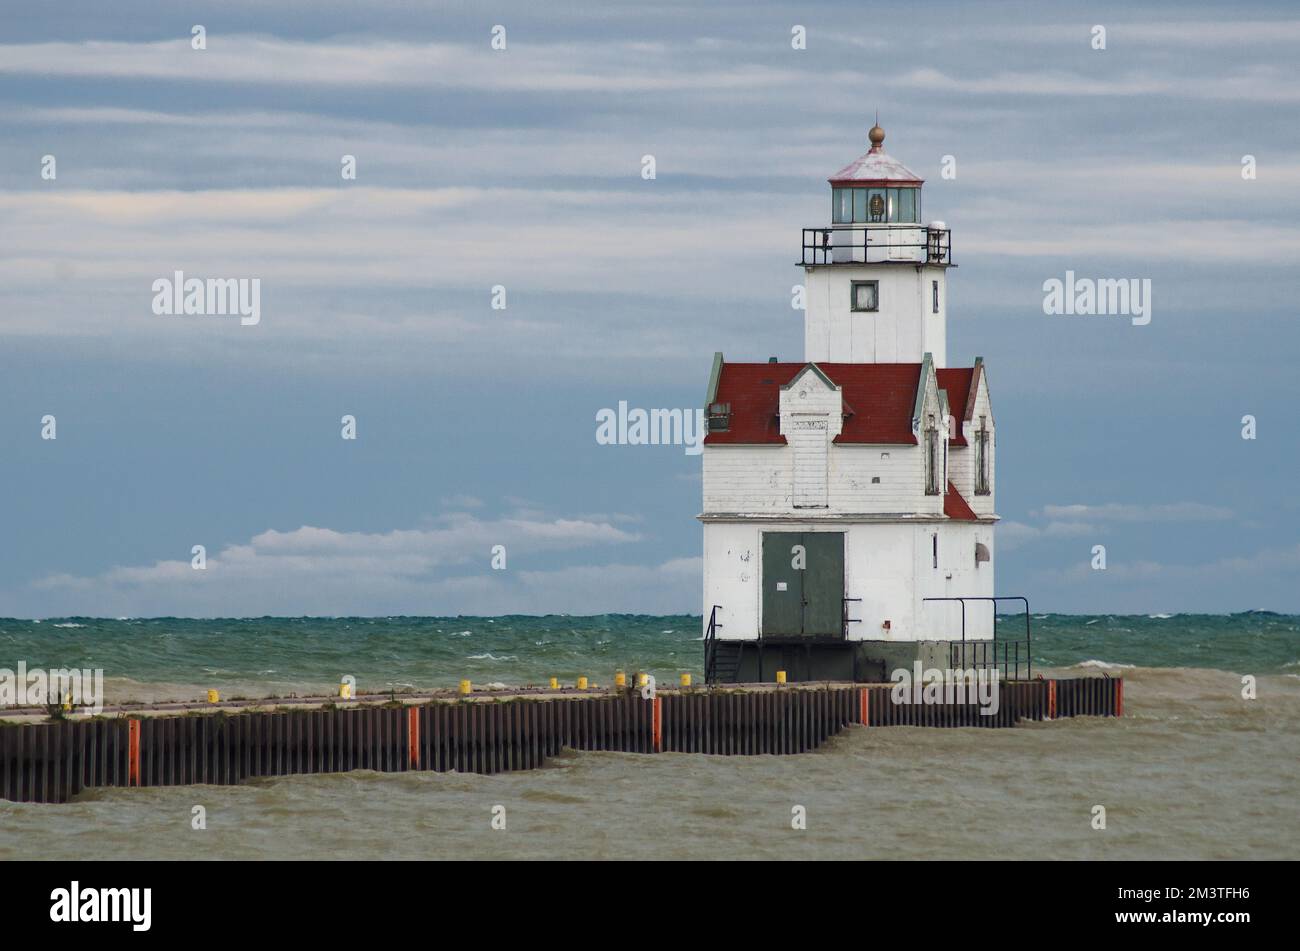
(803,584)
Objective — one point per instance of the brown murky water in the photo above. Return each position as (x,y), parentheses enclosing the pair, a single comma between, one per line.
(1192,772)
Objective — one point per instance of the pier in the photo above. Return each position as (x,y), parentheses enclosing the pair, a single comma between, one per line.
(51,762)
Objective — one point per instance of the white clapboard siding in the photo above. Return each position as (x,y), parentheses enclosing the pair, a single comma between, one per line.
(808,441)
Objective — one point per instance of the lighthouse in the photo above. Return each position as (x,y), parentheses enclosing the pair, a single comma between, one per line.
(848,507)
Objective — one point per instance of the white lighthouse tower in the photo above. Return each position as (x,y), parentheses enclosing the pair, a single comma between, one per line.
(848,497)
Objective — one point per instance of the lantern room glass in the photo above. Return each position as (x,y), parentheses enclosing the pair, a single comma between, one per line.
(875,205)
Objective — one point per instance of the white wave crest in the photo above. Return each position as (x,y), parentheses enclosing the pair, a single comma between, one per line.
(1104,665)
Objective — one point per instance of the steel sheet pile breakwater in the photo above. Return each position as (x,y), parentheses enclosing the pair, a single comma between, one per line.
(52,762)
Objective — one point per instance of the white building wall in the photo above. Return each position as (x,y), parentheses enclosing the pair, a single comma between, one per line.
(759,480)
(889,565)
(961,468)
(752,479)
(903,330)
(958,575)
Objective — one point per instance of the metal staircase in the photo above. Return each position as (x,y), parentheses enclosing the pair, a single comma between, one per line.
(721,658)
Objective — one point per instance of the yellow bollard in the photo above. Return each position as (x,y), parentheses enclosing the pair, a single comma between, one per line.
(555,683)
(465,688)
(620,679)
(214,697)
(67,702)
(345,691)
(642,680)
(582,683)
(686,680)
(780,676)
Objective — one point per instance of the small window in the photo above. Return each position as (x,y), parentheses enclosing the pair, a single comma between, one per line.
(719,417)
(866,295)
(934,295)
(934,543)
(932,461)
(982,458)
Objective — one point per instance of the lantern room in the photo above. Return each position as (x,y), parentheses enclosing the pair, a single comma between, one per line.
(875,189)
(876,215)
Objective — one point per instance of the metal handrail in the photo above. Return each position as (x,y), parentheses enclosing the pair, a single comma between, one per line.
(845,620)
(711,646)
(817,247)
(1028,641)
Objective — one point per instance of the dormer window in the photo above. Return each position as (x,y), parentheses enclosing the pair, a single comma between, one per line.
(982,458)
(866,296)
(719,417)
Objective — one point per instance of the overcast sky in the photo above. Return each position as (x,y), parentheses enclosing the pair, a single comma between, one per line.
(522,167)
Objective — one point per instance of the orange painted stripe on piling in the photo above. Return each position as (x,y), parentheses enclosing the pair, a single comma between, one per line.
(1051,700)
(413,735)
(863,716)
(133,752)
(1119,697)
(658,718)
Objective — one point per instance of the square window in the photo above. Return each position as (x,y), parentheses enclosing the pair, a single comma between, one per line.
(866,295)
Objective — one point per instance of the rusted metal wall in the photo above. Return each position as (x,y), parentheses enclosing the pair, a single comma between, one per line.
(52,762)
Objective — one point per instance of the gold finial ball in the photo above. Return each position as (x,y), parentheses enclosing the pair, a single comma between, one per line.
(877,136)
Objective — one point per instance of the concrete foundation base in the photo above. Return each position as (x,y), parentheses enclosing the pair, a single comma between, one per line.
(855,661)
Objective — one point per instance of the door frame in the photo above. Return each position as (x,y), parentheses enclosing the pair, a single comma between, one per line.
(803,609)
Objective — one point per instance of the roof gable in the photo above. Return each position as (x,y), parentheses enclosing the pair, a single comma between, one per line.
(956,383)
(816,371)
(962,384)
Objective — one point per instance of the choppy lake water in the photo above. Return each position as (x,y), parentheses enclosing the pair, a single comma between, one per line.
(1192,771)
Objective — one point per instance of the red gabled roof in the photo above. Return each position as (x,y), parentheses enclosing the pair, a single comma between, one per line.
(754,392)
(954,506)
(879,399)
(956,381)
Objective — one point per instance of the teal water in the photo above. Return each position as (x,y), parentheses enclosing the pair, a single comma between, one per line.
(271,655)
(1194,770)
